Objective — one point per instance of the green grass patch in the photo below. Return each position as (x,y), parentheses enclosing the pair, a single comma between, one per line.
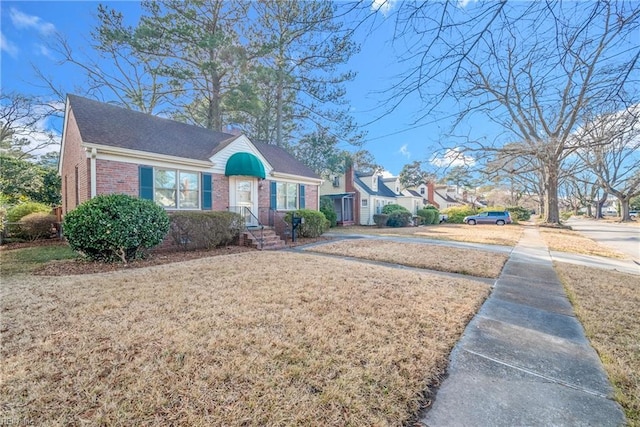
(26,260)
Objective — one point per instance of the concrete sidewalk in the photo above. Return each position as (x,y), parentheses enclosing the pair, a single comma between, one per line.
(524,359)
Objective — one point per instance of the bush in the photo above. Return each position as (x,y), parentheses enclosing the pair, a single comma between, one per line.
(380,219)
(457,213)
(429,215)
(204,230)
(399,219)
(391,208)
(436,214)
(21,210)
(3,216)
(115,227)
(518,213)
(326,207)
(315,223)
(37,225)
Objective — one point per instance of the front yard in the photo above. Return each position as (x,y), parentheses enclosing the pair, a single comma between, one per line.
(255,338)
(507,235)
(269,338)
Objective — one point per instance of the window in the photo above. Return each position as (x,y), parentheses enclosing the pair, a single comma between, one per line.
(287,196)
(422,191)
(174,189)
(365,203)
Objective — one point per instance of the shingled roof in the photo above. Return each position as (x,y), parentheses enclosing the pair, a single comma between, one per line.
(383,190)
(282,161)
(114,126)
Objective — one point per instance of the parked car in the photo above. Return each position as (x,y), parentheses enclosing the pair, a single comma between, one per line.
(444,218)
(490,217)
(633,214)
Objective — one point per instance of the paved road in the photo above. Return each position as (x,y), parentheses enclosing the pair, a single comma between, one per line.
(625,238)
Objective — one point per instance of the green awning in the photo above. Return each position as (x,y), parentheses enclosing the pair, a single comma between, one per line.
(244,164)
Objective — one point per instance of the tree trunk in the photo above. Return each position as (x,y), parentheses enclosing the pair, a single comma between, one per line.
(280,98)
(599,203)
(624,209)
(551,212)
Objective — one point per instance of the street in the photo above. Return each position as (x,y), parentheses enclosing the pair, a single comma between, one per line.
(622,237)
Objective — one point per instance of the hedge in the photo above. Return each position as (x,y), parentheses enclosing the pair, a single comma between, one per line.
(392,207)
(399,219)
(204,230)
(380,219)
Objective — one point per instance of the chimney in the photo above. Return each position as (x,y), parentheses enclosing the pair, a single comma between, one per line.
(431,193)
(349,178)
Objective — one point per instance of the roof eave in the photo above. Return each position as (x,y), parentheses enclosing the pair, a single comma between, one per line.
(142,155)
(308,179)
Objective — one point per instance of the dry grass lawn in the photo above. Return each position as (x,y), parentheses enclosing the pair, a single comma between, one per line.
(558,239)
(507,235)
(608,305)
(257,338)
(464,261)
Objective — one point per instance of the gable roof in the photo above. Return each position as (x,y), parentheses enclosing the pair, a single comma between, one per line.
(283,161)
(107,124)
(383,190)
(446,197)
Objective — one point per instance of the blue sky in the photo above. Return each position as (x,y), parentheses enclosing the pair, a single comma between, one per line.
(394,140)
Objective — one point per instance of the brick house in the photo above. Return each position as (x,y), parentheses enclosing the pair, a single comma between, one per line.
(108,149)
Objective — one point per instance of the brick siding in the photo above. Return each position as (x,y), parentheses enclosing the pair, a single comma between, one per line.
(116,178)
(74,156)
(220,192)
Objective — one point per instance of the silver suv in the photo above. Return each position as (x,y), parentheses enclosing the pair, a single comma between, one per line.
(490,217)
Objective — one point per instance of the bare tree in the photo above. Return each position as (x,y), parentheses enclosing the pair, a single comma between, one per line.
(21,130)
(112,69)
(535,69)
(610,149)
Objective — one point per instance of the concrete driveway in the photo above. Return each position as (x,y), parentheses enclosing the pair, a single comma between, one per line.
(622,237)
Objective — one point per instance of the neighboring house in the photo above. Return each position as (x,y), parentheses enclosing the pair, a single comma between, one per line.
(107,149)
(357,196)
(441,196)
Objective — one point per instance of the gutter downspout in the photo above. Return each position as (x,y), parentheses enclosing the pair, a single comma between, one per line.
(94,154)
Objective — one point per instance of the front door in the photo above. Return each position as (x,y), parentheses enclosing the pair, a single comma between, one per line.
(245,199)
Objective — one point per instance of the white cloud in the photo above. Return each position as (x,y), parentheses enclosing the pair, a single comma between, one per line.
(44,51)
(404,151)
(383,6)
(23,21)
(463,3)
(7,46)
(452,157)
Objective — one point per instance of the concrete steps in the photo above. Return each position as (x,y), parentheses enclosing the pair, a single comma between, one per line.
(270,240)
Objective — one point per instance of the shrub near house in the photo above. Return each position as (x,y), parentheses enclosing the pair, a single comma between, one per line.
(313,225)
(115,227)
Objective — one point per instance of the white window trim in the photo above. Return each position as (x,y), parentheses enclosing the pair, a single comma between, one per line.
(177,185)
(286,209)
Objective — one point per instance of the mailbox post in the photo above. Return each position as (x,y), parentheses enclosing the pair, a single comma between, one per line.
(295,223)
